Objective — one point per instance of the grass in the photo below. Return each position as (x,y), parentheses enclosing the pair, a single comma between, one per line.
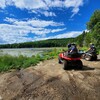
(84,48)
(8,62)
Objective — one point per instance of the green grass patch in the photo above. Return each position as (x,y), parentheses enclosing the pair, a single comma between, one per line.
(83,48)
(8,62)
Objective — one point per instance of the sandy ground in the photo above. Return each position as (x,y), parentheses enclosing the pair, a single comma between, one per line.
(48,81)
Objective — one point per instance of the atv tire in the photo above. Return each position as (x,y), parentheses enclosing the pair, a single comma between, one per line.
(80,64)
(88,58)
(65,65)
(95,58)
(59,60)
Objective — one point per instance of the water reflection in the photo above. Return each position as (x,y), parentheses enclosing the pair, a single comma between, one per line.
(23,51)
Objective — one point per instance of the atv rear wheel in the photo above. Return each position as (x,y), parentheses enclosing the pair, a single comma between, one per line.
(87,57)
(95,58)
(80,64)
(65,65)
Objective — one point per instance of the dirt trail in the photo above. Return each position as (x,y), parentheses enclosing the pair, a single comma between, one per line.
(48,81)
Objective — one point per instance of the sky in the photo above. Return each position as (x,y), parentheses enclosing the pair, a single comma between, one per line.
(33,20)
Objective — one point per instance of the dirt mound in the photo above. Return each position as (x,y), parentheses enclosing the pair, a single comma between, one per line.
(48,81)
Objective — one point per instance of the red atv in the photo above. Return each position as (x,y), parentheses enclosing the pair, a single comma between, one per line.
(71,61)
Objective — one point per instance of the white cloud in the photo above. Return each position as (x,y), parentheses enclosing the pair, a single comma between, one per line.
(34,22)
(44,4)
(54,3)
(29,4)
(86,30)
(68,34)
(58,30)
(2,4)
(75,11)
(46,13)
(75,4)
(11,20)
(64,35)
(18,31)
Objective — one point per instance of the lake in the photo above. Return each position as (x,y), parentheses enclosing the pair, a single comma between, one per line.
(23,51)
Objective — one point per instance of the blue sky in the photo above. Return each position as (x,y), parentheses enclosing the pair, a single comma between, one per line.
(32,20)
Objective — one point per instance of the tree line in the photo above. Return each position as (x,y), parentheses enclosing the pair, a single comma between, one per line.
(43,43)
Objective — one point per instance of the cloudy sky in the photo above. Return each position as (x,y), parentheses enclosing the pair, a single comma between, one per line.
(32,20)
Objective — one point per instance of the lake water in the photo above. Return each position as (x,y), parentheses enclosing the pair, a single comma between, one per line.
(23,51)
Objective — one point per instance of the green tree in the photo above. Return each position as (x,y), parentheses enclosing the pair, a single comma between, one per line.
(88,39)
(96,34)
(94,26)
(95,18)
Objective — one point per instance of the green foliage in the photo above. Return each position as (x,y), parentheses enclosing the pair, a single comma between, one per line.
(37,44)
(94,26)
(80,39)
(88,39)
(95,18)
(8,62)
(96,34)
(84,48)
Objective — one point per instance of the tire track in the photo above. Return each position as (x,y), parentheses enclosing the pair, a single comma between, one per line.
(48,81)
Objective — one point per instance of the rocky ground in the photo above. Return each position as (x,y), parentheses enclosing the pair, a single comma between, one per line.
(48,81)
